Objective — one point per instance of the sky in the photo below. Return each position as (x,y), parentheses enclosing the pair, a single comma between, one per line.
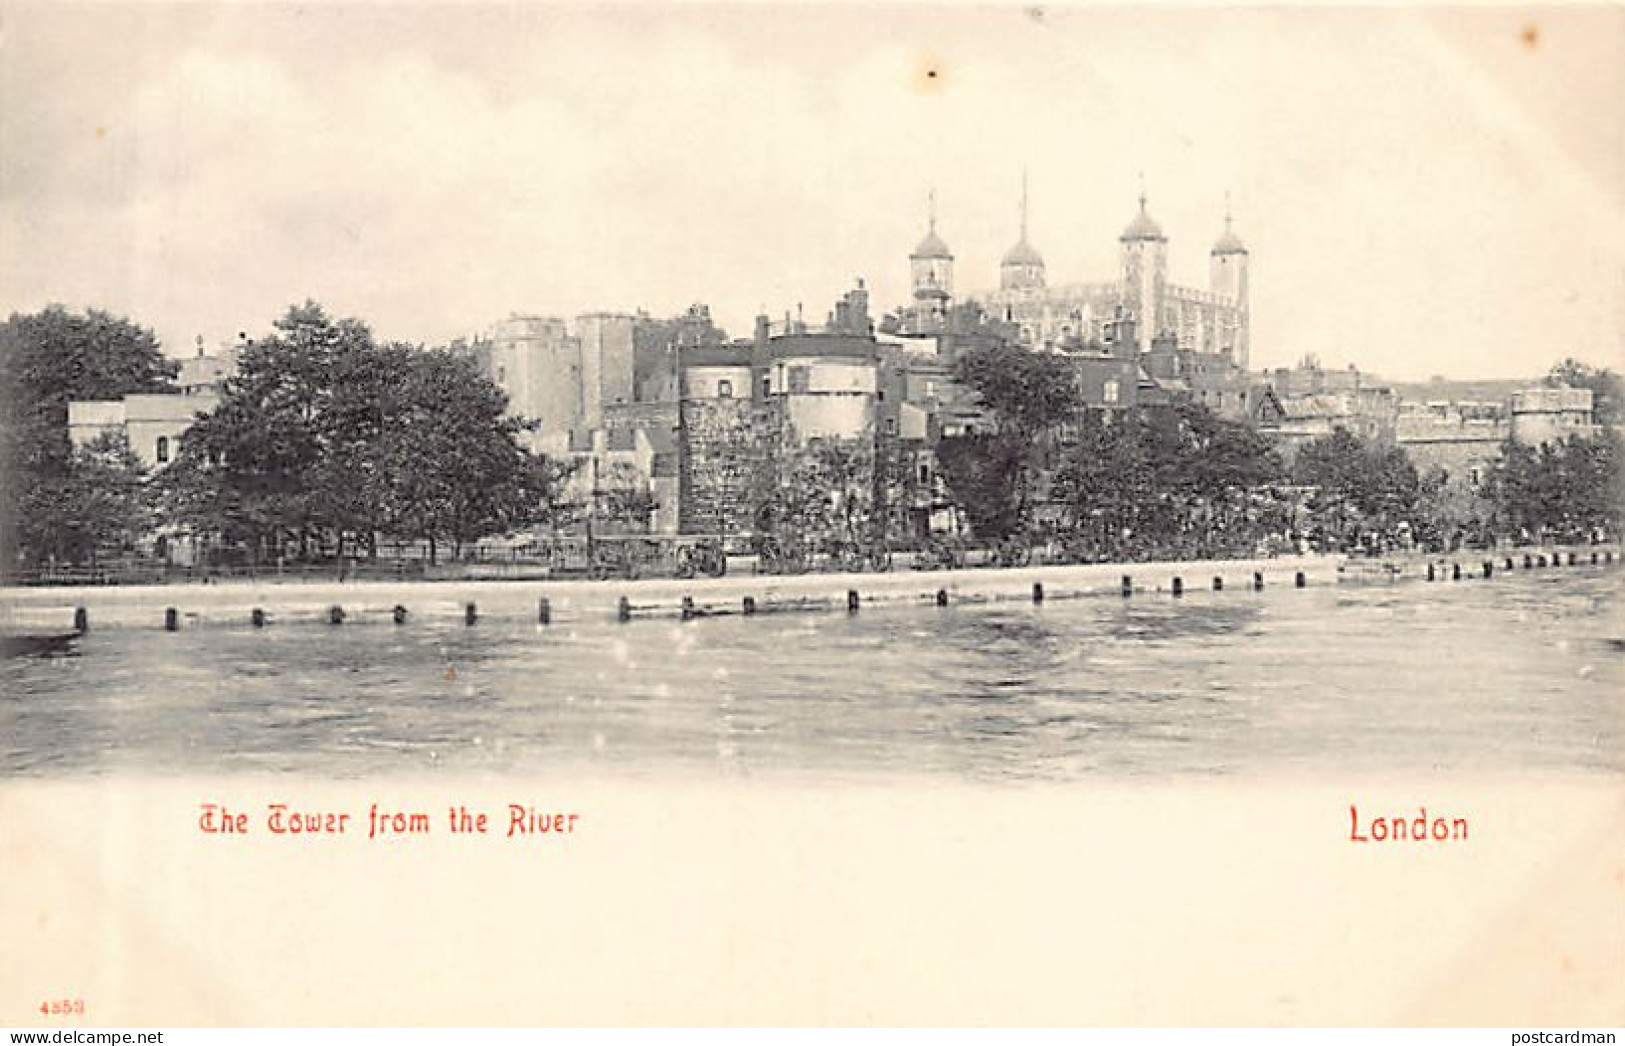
(1424,191)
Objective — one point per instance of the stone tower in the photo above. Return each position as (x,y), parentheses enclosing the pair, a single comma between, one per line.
(1227,277)
(931,269)
(1145,275)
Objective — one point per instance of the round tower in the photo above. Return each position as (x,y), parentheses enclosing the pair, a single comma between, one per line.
(1145,274)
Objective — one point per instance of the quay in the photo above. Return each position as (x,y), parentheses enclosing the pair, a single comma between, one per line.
(260,603)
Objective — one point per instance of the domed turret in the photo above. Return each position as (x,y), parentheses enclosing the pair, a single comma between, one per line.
(1022,253)
(1022,267)
(931,266)
(932,246)
(1143,227)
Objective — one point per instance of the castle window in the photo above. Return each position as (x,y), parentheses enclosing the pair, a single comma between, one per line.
(925,473)
(800,379)
(162,450)
(1109,391)
(725,389)
(891,426)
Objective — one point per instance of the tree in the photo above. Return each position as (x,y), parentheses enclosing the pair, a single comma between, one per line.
(269,468)
(48,359)
(1607,388)
(447,464)
(1361,486)
(325,438)
(1029,396)
(1568,489)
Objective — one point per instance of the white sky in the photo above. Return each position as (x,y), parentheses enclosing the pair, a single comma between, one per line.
(1423,192)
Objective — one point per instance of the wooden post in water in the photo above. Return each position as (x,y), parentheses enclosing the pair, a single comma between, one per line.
(1038,591)
(1179,586)
(399,614)
(748,605)
(1300,580)
(1258,581)
(544,612)
(1218,583)
(335,615)
(623,609)
(172,619)
(851,601)
(942,597)
(81,620)
(1128,586)
(688,608)
(257,617)
(471,613)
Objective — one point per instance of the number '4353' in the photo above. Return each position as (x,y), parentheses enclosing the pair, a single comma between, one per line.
(62,1007)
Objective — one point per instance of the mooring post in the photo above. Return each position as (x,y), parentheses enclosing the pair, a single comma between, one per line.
(748,605)
(851,601)
(942,597)
(81,620)
(1038,591)
(335,615)
(1179,586)
(1128,586)
(257,617)
(1218,583)
(1300,580)
(399,614)
(544,612)
(1258,581)
(688,607)
(172,619)
(623,609)
(471,613)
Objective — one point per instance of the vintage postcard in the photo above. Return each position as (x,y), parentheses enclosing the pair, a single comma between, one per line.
(810,514)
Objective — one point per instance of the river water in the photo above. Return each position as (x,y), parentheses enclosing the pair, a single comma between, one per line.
(1523,672)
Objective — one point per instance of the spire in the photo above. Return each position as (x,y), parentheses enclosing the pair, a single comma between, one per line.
(931,246)
(1228,242)
(1024,205)
(1143,227)
(1022,254)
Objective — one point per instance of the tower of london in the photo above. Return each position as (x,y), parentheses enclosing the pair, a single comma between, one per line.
(1207,321)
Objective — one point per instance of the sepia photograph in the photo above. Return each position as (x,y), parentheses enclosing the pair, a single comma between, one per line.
(811,515)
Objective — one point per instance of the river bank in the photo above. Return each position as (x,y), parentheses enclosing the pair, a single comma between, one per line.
(237,603)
